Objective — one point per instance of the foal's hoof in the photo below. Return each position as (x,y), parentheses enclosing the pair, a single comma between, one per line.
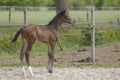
(50,71)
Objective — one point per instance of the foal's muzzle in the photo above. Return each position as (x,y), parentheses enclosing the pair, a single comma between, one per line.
(72,22)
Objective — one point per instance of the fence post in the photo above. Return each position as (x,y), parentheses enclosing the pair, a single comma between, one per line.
(93,35)
(87,14)
(9,15)
(25,17)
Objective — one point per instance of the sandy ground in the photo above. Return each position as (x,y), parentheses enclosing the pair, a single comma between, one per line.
(61,74)
(104,55)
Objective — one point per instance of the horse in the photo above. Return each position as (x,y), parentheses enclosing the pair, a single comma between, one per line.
(44,33)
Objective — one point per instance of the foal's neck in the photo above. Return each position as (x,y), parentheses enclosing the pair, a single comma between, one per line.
(55,25)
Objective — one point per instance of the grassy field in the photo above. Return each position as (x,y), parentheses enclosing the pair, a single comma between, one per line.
(69,42)
(43,17)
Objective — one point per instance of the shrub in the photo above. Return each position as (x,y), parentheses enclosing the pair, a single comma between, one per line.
(75,39)
(7,47)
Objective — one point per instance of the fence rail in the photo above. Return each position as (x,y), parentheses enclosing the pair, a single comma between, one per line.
(17,15)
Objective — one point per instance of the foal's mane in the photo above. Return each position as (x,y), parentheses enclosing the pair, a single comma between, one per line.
(56,17)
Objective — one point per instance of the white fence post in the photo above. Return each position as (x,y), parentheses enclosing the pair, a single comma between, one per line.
(93,35)
(25,17)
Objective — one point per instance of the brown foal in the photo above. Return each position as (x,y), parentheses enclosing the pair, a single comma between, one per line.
(44,33)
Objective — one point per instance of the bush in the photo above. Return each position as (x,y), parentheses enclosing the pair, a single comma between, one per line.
(75,39)
(84,37)
(7,47)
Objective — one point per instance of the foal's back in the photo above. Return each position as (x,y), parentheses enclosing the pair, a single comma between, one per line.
(41,33)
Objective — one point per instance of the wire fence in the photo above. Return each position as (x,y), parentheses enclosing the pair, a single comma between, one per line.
(105,17)
(107,29)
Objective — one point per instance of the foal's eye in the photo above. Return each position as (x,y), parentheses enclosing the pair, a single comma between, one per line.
(66,16)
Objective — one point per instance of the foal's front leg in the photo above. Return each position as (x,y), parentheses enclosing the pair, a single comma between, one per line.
(50,57)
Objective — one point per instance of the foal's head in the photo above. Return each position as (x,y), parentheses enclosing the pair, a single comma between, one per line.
(65,18)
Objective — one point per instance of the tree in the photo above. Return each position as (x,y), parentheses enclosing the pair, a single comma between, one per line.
(61,5)
(100,3)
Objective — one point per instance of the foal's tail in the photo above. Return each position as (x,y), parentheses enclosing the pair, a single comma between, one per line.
(17,35)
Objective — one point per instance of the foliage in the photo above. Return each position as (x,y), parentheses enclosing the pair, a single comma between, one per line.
(83,38)
(72,3)
(97,3)
(7,47)
(26,2)
(72,39)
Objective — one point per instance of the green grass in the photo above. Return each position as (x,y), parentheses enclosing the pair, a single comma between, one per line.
(81,65)
(43,17)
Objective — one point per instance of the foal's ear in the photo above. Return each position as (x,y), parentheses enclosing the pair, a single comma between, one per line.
(64,11)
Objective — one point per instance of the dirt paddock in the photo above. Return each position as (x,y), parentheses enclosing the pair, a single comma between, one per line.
(62,74)
(104,55)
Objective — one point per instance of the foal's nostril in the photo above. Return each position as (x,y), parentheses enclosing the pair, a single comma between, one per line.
(74,21)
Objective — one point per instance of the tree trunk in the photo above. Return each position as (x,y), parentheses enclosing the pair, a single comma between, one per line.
(61,5)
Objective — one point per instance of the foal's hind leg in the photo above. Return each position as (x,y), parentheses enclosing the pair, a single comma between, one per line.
(29,47)
(22,53)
